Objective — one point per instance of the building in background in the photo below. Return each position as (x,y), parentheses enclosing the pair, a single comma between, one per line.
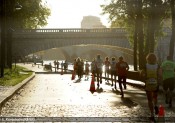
(90,22)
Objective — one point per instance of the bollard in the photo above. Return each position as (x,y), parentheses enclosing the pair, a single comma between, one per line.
(161,118)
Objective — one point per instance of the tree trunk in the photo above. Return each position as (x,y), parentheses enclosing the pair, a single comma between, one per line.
(140,36)
(135,46)
(171,47)
(152,28)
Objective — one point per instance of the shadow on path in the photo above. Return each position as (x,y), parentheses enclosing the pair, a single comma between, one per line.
(99,90)
(128,102)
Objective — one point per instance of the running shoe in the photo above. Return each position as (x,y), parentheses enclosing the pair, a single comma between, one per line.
(156,110)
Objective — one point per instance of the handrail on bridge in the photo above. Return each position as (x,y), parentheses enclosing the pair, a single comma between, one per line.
(72,30)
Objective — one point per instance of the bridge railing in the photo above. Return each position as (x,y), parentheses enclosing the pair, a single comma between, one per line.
(100,30)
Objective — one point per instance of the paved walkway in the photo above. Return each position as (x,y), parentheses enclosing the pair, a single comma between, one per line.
(55,95)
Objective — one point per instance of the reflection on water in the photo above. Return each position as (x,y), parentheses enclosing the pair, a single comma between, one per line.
(70,65)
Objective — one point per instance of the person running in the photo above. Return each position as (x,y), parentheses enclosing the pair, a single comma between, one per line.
(93,68)
(87,70)
(113,71)
(79,68)
(99,65)
(122,68)
(168,68)
(150,73)
(62,65)
(75,67)
(107,64)
(82,67)
(57,64)
(65,66)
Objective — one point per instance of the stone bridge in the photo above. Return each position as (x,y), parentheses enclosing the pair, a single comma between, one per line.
(28,41)
(25,42)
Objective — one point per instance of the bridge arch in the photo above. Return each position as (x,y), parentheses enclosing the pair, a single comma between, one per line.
(28,41)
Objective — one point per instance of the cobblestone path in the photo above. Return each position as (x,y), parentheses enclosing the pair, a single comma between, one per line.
(54,95)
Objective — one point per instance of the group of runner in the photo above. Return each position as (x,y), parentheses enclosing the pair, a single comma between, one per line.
(153,74)
(114,68)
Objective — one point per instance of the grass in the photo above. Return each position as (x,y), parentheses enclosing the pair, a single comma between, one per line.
(14,76)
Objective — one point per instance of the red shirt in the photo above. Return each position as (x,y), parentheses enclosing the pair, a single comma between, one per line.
(122,68)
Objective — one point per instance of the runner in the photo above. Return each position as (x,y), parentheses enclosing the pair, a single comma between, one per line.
(99,65)
(79,68)
(122,68)
(168,68)
(150,73)
(87,70)
(93,68)
(75,67)
(107,64)
(113,71)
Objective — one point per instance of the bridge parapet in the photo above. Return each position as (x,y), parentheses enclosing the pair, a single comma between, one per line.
(69,33)
(104,30)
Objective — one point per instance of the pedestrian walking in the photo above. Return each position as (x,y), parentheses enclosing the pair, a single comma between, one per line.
(87,70)
(107,65)
(168,68)
(122,69)
(150,73)
(99,65)
(113,70)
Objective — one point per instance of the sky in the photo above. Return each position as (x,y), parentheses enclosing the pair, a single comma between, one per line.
(69,13)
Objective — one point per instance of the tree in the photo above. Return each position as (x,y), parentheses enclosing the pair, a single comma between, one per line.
(32,15)
(143,20)
(172,41)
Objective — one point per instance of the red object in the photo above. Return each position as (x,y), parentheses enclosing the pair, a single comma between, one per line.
(92,86)
(161,118)
(73,75)
(161,111)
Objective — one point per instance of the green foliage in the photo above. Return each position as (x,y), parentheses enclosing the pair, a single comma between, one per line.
(14,76)
(122,13)
(33,14)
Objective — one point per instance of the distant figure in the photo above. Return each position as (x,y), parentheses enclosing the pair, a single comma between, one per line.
(62,65)
(75,66)
(168,68)
(87,70)
(150,74)
(93,67)
(57,63)
(82,62)
(65,66)
(107,65)
(79,68)
(99,65)
(122,69)
(113,70)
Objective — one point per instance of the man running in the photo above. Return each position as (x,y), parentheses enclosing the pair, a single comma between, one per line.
(107,64)
(168,67)
(122,68)
(99,64)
